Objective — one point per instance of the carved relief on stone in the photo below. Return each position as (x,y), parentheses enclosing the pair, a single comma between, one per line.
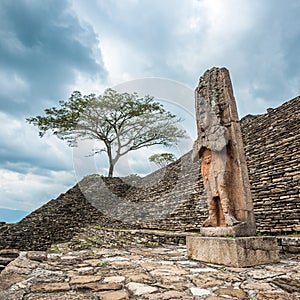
(219,146)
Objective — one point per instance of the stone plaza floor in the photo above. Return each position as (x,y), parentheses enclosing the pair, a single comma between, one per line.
(154,273)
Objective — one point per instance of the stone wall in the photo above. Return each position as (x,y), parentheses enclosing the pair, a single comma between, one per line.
(272,146)
(173,197)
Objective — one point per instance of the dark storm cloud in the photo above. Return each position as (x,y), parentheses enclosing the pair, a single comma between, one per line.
(42,46)
(258,41)
(266,61)
(148,28)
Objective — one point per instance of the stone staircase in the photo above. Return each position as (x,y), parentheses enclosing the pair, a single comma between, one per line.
(7,256)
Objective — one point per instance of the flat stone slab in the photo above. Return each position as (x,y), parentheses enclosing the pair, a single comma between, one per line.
(240,230)
(235,252)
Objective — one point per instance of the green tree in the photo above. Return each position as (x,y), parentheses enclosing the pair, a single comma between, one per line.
(162,159)
(123,122)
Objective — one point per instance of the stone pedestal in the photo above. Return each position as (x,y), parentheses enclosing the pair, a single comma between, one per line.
(239,230)
(235,252)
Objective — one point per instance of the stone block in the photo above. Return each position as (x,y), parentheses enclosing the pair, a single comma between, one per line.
(235,252)
(239,230)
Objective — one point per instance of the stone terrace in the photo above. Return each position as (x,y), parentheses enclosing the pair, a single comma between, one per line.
(162,272)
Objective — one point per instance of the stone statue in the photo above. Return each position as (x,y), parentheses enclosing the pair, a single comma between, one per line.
(220,148)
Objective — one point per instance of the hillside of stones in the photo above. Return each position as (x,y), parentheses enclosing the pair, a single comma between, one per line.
(173,198)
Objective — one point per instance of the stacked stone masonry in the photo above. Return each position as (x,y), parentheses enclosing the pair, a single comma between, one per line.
(173,198)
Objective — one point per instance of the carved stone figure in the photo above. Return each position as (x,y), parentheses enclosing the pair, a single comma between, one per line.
(213,174)
(220,148)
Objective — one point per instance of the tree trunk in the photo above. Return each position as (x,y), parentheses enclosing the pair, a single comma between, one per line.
(111,161)
(111,169)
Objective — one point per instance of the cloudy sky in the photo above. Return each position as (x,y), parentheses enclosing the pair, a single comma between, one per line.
(50,48)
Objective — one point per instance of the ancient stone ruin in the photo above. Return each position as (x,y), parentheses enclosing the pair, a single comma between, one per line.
(220,147)
(271,142)
(225,177)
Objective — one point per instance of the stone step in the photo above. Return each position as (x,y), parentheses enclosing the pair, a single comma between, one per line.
(5,260)
(10,253)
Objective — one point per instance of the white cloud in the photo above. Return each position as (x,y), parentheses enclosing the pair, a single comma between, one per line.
(32,171)
(30,191)
(21,144)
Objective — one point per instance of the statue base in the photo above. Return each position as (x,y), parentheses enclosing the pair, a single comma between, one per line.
(234,252)
(241,229)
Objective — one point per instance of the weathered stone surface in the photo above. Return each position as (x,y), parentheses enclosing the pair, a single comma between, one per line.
(85,271)
(114,296)
(37,255)
(46,275)
(11,295)
(50,287)
(56,279)
(288,285)
(237,293)
(139,277)
(276,296)
(199,292)
(219,145)
(264,274)
(71,295)
(85,279)
(257,286)
(237,252)
(168,270)
(7,282)
(239,230)
(139,289)
(205,281)
(114,279)
(290,244)
(169,295)
(96,287)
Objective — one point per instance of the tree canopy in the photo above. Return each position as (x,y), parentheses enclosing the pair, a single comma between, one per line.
(162,159)
(123,122)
